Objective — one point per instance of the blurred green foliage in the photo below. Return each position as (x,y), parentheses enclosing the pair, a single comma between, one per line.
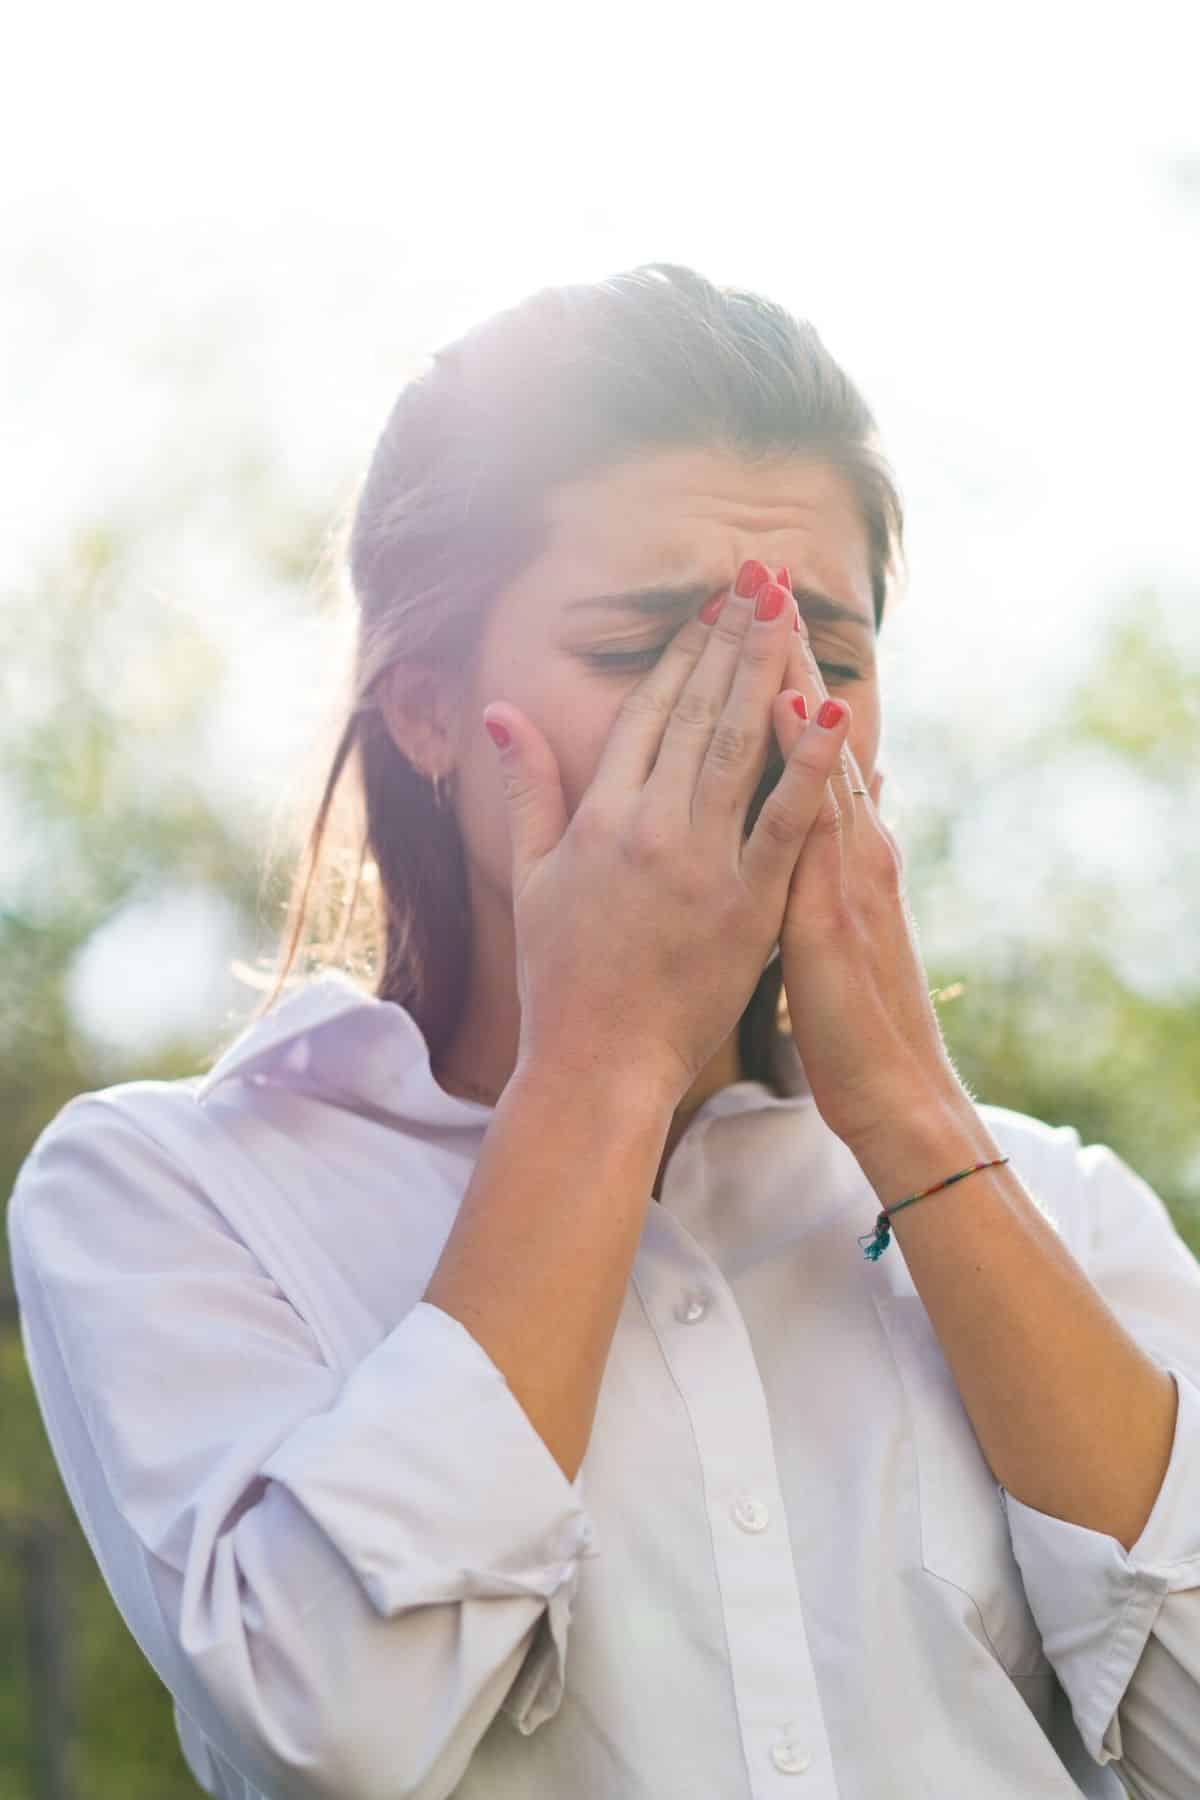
(97,797)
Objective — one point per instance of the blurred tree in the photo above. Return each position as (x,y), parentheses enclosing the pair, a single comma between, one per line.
(1089,1016)
(107,692)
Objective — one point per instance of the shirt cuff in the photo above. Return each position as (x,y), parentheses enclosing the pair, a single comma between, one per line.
(535,1694)
(1095,1604)
(430,1479)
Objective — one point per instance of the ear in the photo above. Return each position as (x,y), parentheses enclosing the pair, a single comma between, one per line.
(418,708)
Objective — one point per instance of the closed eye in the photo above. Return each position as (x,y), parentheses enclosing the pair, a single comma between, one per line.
(634,659)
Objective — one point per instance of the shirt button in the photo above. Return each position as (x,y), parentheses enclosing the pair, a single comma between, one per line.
(749,1513)
(789,1759)
(691,1308)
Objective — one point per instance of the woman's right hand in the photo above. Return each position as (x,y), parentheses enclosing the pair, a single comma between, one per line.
(644,922)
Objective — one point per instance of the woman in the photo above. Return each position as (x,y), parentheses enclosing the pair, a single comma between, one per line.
(476,1383)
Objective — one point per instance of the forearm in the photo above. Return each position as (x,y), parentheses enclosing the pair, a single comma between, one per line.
(538,1260)
(1074,1418)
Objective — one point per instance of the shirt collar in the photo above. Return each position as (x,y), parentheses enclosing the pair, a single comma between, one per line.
(265,1041)
(331,1036)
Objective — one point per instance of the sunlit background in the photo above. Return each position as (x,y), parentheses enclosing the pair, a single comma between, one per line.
(228,245)
(228,235)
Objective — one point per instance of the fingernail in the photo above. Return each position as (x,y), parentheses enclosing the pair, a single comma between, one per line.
(830,714)
(750,579)
(800,706)
(770,601)
(498,733)
(784,578)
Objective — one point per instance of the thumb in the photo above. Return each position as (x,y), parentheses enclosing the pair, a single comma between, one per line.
(788,724)
(537,813)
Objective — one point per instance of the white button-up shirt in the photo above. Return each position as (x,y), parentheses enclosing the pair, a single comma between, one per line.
(784,1566)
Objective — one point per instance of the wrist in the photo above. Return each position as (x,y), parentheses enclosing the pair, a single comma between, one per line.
(635,1094)
(911,1106)
(905,1152)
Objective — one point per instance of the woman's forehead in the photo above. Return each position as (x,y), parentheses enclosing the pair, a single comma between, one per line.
(683,517)
(752,491)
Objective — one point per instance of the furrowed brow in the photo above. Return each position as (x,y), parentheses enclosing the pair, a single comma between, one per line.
(663,601)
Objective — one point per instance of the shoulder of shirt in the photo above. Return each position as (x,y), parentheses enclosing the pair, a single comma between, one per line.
(136,1104)
(1051,1150)
(1052,1158)
(1027,1130)
(1047,1160)
(1072,1182)
(152,1139)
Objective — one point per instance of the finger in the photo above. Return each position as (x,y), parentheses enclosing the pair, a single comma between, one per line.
(859,786)
(804,674)
(842,779)
(801,797)
(537,814)
(790,713)
(635,738)
(707,773)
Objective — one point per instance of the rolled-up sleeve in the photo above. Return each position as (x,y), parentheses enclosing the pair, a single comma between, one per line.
(1122,1628)
(483,1510)
(342,1580)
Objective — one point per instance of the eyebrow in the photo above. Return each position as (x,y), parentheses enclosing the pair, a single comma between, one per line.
(653,601)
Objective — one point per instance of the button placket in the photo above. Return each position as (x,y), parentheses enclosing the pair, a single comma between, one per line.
(750,1513)
(719,1382)
(789,1759)
(692,1307)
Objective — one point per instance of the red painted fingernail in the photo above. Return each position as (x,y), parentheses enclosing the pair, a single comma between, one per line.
(770,601)
(800,706)
(498,733)
(711,608)
(830,714)
(784,578)
(751,578)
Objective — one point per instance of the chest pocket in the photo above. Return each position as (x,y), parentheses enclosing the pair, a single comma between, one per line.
(964,1533)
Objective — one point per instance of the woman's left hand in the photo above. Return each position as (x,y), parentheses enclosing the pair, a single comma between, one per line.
(857,991)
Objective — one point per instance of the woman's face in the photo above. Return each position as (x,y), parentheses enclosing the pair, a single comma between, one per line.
(684,520)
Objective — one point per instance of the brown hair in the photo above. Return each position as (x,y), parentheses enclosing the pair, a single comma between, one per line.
(569,381)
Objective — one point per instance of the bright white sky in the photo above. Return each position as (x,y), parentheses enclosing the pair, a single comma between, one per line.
(985,211)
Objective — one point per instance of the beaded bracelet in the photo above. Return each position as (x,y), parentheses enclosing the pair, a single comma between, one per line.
(877,1241)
